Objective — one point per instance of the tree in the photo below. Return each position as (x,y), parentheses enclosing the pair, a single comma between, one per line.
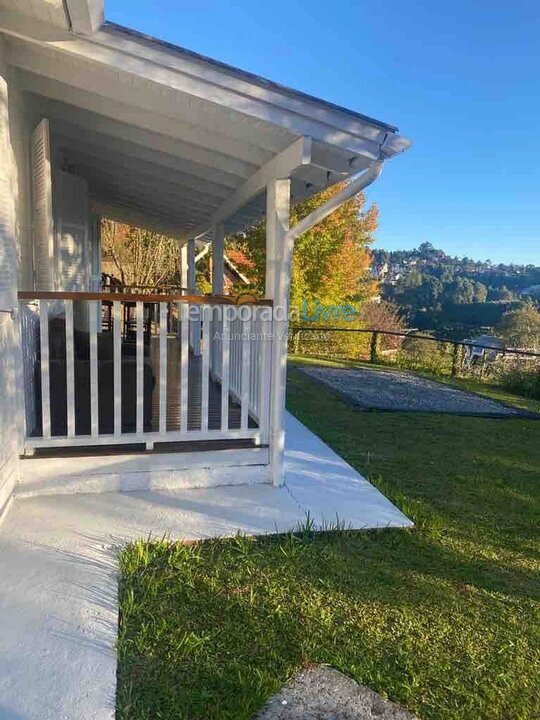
(330,262)
(461,291)
(384,316)
(140,257)
(521,327)
(480,292)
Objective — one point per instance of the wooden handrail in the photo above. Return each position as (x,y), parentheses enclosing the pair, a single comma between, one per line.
(136,297)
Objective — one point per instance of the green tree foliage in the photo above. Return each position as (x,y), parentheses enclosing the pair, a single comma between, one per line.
(331,262)
(521,327)
(463,290)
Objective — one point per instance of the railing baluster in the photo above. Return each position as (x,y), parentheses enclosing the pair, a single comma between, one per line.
(163,367)
(264,379)
(183,312)
(45,368)
(70,369)
(94,308)
(225,347)
(205,367)
(245,377)
(255,364)
(140,366)
(117,362)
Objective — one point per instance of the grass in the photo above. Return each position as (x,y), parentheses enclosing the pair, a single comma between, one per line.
(484,388)
(444,619)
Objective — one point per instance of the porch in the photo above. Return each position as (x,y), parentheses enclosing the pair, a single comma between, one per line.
(113,124)
(130,374)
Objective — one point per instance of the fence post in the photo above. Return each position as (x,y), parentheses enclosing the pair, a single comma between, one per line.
(455,359)
(374,348)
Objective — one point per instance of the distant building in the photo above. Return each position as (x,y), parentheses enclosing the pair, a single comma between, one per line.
(482,347)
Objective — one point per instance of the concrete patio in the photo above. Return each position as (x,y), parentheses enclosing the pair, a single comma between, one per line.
(58,598)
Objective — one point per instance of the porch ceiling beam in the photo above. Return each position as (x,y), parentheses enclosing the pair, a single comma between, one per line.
(99,155)
(127,196)
(172,133)
(172,206)
(145,146)
(281,166)
(177,196)
(135,216)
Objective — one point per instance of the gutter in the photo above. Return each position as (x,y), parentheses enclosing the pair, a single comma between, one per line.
(356,183)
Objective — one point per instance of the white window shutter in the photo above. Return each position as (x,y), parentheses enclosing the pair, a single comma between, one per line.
(43,228)
(72,252)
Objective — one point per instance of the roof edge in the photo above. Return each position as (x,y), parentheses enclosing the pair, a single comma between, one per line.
(263,82)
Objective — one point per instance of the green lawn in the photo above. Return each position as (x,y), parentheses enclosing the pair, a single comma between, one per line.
(444,618)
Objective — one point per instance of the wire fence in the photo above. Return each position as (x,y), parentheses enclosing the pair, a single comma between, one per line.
(416,351)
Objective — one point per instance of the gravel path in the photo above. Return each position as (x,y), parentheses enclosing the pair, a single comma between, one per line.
(393,390)
(322,693)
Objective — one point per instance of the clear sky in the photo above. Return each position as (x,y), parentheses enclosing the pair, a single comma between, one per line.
(460,78)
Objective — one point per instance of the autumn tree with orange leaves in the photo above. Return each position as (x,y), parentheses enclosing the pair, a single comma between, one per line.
(330,262)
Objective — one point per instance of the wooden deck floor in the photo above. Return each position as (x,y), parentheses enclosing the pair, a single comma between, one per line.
(174,356)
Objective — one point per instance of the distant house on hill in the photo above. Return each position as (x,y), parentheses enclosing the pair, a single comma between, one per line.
(483,347)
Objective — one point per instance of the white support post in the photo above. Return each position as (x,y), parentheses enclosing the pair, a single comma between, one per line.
(139,309)
(195,330)
(184,266)
(70,369)
(278,282)
(217,260)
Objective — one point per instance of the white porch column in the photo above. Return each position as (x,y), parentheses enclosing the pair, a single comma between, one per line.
(184,267)
(195,329)
(217,260)
(278,283)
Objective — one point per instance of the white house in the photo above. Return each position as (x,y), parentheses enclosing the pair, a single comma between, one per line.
(97,120)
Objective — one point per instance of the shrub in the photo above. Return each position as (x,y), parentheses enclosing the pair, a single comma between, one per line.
(418,354)
(524,382)
(330,343)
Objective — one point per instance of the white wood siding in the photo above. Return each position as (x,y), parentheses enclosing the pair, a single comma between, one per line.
(8,290)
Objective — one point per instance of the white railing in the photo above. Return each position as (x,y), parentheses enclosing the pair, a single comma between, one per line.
(240,359)
(108,370)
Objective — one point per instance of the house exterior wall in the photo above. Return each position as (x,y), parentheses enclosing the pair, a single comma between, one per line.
(20,124)
(10,408)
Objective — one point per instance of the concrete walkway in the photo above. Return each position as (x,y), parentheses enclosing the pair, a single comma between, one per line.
(58,595)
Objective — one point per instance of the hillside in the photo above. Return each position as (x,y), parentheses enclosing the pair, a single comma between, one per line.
(451,295)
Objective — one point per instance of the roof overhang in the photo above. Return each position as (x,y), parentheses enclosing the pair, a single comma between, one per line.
(82,17)
(179,139)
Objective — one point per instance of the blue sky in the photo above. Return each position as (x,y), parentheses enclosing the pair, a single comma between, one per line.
(461,79)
